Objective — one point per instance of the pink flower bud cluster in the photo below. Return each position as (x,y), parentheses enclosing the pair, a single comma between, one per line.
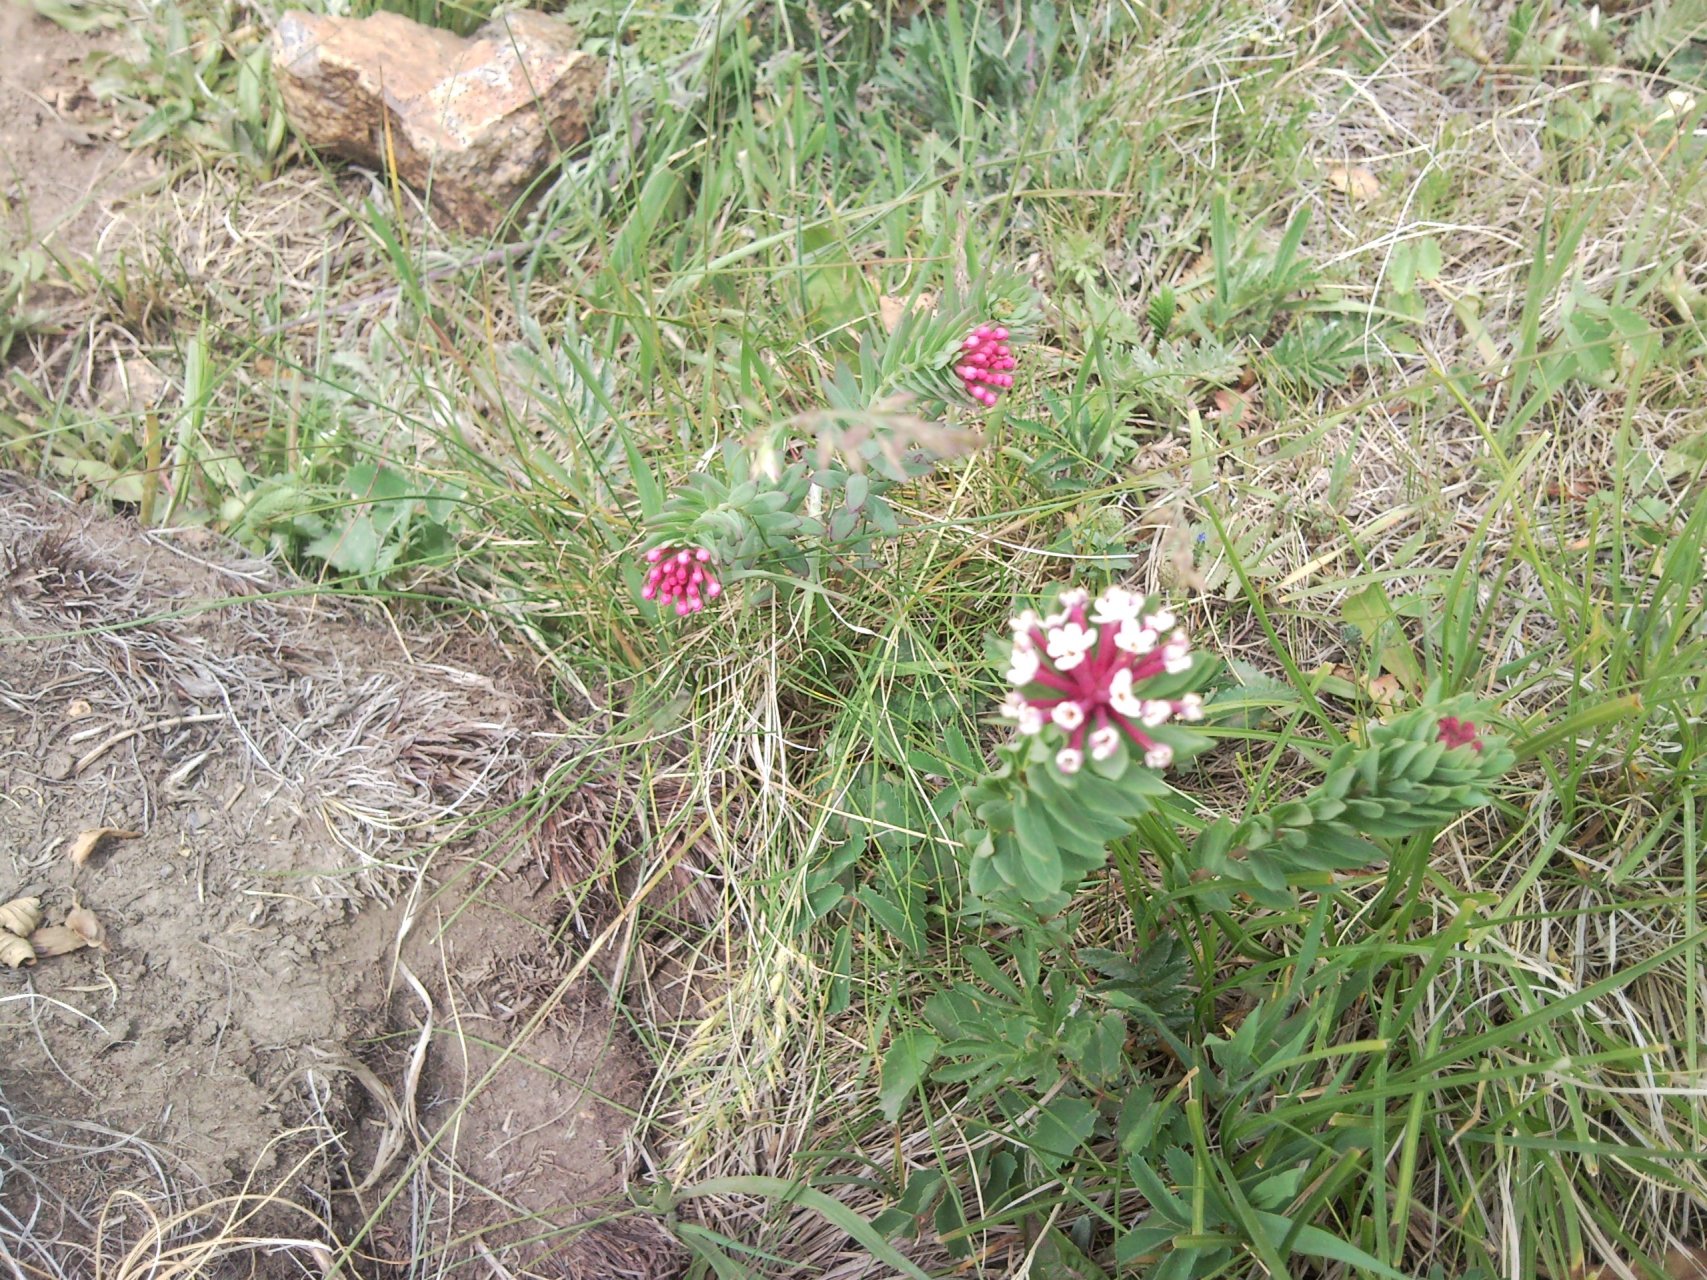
(1080,673)
(984,363)
(1457,733)
(681,576)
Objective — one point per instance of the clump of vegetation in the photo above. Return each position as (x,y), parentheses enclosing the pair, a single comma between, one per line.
(1361,932)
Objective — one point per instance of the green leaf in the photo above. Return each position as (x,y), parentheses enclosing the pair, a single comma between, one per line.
(1161,311)
(1039,876)
(894,918)
(1278,1188)
(979,961)
(1157,1192)
(119,486)
(1372,613)
(1031,825)
(352,549)
(904,1068)
(1060,1259)
(840,967)
(1313,1242)
(1061,1129)
(857,490)
(79,18)
(707,1245)
(832,1210)
(1104,1057)
(1146,1240)
(1428,259)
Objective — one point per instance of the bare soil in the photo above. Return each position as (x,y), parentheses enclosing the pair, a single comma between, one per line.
(318,945)
(61,164)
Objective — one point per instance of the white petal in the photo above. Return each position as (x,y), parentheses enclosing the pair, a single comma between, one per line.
(1176,654)
(1117,605)
(1120,694)
(1024,667)
(1134,637)
(1070,642)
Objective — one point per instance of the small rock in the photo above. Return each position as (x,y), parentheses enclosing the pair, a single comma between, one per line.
(472,121)
(132,386)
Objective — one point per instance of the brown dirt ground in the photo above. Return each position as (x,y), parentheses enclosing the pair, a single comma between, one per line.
(306,781)
(61,166)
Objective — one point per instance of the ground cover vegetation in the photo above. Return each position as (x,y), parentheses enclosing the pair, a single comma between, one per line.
(1325,895)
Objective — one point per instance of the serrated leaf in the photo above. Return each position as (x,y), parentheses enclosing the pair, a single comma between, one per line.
(896,921)
(1104,1060)
(1061,1129)
(904,1068)
(989,972)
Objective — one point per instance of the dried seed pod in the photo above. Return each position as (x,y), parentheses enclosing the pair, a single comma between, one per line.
(85,923)
(14,951)
(21,916)
(57,940)
(84,846)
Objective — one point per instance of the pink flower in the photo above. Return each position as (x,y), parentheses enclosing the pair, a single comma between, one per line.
(984,364)
(1084,670)
(1458,733)
(680,576)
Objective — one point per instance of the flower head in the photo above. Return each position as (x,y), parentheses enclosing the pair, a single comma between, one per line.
(984,364)
(1459,733)
(1091,671)
(681,577)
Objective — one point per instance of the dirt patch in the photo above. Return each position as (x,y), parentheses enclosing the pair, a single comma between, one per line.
(60,161)
(320,943)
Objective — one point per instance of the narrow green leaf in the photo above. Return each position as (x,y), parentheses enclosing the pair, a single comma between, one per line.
(832,1210)
(1313,1242)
